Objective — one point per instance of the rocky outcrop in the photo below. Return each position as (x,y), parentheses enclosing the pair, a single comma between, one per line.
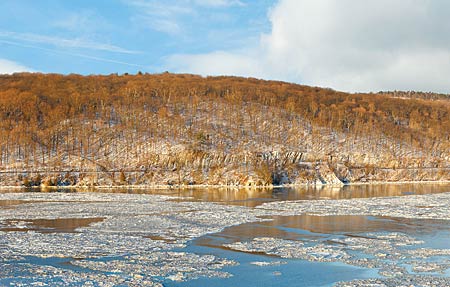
(193,167)
(326,175)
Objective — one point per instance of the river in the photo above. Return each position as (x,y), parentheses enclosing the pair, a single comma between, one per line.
(365,235)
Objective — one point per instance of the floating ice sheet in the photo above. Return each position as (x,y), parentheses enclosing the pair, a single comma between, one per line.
(139,233)
(431,206)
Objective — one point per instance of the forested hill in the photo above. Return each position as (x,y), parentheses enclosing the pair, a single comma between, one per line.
(186,129)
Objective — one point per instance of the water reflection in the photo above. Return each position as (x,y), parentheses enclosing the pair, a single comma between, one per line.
(343,224)
(252,197)
(306,226)
(10,203)
(67,225)
(292,228)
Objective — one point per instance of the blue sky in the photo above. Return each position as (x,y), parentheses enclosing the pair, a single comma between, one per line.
(348,45)
(107,36)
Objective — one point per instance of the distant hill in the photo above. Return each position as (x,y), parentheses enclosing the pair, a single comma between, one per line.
(174,129)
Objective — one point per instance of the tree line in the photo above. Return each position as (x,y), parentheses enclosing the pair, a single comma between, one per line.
(45,117)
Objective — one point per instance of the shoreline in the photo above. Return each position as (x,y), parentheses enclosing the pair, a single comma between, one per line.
(202,186)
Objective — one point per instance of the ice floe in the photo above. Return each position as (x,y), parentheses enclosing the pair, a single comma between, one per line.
(430,206)
(138,240)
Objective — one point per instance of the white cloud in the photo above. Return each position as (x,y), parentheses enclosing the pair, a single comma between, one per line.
(162,17)
(10,67)
(83,22)
(168,16)
(216,63)
(219,3)
(63,42)
(79,55)
(349,45)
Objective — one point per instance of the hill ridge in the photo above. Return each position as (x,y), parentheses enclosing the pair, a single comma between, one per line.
(188,129)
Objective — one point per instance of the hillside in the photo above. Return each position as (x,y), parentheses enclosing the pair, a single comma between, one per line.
(171,129)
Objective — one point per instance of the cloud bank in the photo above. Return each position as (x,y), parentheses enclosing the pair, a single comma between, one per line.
(10,67)
(348,45)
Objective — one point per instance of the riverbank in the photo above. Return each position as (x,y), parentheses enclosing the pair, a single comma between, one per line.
(206,186)
(301,174)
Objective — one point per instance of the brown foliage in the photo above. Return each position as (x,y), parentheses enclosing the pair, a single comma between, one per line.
(44,115)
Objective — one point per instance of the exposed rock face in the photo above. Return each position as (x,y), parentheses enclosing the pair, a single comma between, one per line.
(187,167)
(327,176)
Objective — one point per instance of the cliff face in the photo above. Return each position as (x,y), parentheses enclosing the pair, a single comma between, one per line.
(193,168)
(182,129)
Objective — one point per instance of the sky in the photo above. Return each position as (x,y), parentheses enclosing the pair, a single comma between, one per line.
(347,45)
